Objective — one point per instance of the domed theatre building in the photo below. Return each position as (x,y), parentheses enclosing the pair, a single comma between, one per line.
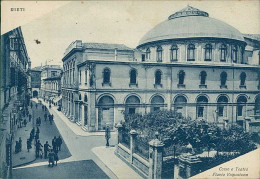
(198,66)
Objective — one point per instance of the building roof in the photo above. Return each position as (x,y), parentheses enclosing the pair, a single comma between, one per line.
(106,46)
(191,23)
(252,36)
(38,68)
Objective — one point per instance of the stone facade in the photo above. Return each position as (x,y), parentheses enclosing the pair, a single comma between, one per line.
(215,79)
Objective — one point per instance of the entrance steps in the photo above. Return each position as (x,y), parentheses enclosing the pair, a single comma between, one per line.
(84,128)
(78,123)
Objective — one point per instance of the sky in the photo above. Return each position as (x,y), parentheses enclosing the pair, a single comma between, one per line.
(122,22)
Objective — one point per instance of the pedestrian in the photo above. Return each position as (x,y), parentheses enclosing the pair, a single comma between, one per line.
(51,158)
(59,142)
(54,144)
(36,105)
(33,131)
(20,144)
(56,157)
(46,149)
(25,122)
(17,147)
(37,136)
(38,148)
(42,108)
(30,117)
(31,136)
(40,121)
(107,135)
(45,117)
(29,145)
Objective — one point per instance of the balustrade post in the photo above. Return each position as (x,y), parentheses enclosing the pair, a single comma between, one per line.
(155,158)
(133,135)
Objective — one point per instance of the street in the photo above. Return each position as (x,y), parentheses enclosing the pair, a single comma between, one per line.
(75,158)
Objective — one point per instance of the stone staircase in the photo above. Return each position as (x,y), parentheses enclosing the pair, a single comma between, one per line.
(84,128)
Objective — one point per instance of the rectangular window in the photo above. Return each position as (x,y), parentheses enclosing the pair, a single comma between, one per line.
(200,111)
(80,77)
(221,111)
(239,110)
(86,76)
(143,57)
(131,110)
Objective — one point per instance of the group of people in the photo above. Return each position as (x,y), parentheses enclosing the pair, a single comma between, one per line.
(52,152)
(38,121)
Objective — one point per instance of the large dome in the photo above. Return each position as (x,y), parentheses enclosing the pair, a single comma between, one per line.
(191,23)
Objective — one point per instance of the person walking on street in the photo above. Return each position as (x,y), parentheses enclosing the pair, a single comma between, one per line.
(24,122)
(54,144)
(51,158)
(56,157)
(58,142)
(20,144)
(46,149)
(30,117)
(45,117)
(29,145)
(42,107)
(38,148)
(36,105)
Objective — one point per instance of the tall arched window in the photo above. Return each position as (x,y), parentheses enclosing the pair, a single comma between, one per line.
(85,98)
(222,106)
(79,96)
(241,103)
(223,79)
(202,106)
(133,75)
(156,103)
(203,76)
(234,53)
(223,53)
(106,76)
(181,76)
(158,77)
(242,79)
(208,52)
(159,52)
(180,105)
(132,103)
(147,53)
(174,53)
(191,52)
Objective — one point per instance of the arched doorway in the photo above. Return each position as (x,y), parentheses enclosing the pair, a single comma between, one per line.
(105,112)
(241,106)
(35,94)
(132,103)
(201,107)
(180,105)
(157,102)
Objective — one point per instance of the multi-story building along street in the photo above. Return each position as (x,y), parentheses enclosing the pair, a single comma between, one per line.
(15,91)
(51,82)
(198,66)
(36,81)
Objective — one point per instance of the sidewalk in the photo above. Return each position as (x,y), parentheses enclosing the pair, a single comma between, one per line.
(115,164)
(24,157)
(73,126)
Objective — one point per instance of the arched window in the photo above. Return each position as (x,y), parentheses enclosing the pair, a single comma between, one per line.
(242,79)
(223,53)
(181,76)
(191,52)
(132,103)
(234,53)
(86,76)
(158,77)
(223,79)
(222,106)
(79,96)
(180,105)
(208,52)
(241,102)
(85,98)
(159,53)
(105,112)
(202,106)
(174,53)
(203,76)
(156,103)
(147,53)
(106,76)
(133,75)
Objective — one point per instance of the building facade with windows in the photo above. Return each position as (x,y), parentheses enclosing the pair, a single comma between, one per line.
(51,82)
(36,81)
(198,66)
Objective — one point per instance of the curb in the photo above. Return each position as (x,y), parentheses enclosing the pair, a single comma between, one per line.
(26,163)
